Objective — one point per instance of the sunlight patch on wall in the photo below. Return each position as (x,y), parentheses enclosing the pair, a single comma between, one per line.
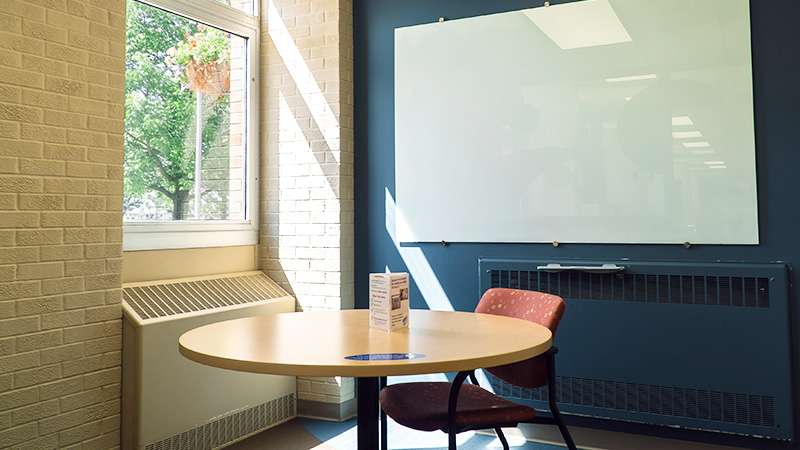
(418,266)
(306,84)
(422,273)
(294,154)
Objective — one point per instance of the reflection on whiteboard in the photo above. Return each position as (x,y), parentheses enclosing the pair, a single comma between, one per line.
(607,121)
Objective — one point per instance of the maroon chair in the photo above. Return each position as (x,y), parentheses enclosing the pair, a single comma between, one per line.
(457,407)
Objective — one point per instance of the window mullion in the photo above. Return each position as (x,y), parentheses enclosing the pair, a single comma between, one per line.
(211,13)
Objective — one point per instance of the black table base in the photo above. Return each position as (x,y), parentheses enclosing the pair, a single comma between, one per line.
(368,408)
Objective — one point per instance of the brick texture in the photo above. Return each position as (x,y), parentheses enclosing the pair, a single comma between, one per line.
(61,72)
(306,239)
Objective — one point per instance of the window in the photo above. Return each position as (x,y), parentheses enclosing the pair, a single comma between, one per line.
(241,5)
(190,96)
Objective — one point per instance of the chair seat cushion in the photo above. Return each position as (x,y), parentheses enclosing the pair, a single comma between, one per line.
(423,406)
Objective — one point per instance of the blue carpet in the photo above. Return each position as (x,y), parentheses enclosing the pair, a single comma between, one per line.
(325,430)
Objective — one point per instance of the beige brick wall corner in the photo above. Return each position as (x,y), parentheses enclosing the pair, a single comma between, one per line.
(61,125)
(306,234)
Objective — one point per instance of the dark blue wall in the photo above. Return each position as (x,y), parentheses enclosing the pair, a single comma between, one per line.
(776,78)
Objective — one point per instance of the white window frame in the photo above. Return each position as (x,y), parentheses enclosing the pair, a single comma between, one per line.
(212,233)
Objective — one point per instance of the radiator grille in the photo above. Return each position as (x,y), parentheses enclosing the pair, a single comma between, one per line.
(656,288)
(679,344)
(730,407)
(179,297)
(231,427)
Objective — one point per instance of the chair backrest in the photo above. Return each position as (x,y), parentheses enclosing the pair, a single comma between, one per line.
(539,307)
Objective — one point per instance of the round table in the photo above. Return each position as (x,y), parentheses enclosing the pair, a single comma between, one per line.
(318,344)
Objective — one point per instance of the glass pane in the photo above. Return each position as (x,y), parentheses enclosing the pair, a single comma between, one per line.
(241,5)
(185,116)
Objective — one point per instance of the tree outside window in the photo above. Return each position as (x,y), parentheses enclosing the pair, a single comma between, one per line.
(185,119)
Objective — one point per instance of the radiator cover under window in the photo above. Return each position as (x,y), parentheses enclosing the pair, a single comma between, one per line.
(702,346)
(175,297)
(173,403)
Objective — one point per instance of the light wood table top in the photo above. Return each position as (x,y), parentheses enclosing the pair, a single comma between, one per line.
(316,343)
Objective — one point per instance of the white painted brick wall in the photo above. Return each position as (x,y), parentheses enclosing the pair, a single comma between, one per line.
(307,162)
(61,112)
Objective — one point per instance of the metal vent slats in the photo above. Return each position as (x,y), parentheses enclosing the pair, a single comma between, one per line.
(663,342)
(181,297)
(758,410)
(750,292)
(225,430)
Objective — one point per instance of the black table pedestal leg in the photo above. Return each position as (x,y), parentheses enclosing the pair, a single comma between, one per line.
(384,423)
(367,420)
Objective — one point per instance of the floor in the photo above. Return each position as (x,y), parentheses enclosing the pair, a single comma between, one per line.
(308,434)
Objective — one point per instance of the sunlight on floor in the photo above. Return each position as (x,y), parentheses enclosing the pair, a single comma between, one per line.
(404,438)
(399,438)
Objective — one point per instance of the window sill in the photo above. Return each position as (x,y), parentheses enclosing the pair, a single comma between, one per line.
(163,236)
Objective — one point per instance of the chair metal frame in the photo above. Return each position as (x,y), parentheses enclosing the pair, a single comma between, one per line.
(452,404)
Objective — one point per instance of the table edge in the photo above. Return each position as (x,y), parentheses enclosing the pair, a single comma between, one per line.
(369,368)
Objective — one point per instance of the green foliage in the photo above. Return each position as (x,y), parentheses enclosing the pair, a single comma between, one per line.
(207,46)
(160,110)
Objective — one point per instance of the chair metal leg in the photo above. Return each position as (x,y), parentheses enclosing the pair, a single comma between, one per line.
(502,437)
(551,400)
(451,441)
(384,424)
(562,427)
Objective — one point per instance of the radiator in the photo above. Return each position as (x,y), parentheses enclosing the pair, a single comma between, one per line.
(171,403)
(698,346)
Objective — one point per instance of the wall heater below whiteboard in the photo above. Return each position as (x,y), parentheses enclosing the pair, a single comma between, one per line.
(172,403)
(683,344)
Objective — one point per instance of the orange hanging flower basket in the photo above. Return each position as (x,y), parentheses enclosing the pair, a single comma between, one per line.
(204,57)
(212,79)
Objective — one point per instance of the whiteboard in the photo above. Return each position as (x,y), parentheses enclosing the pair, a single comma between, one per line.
(599,121)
